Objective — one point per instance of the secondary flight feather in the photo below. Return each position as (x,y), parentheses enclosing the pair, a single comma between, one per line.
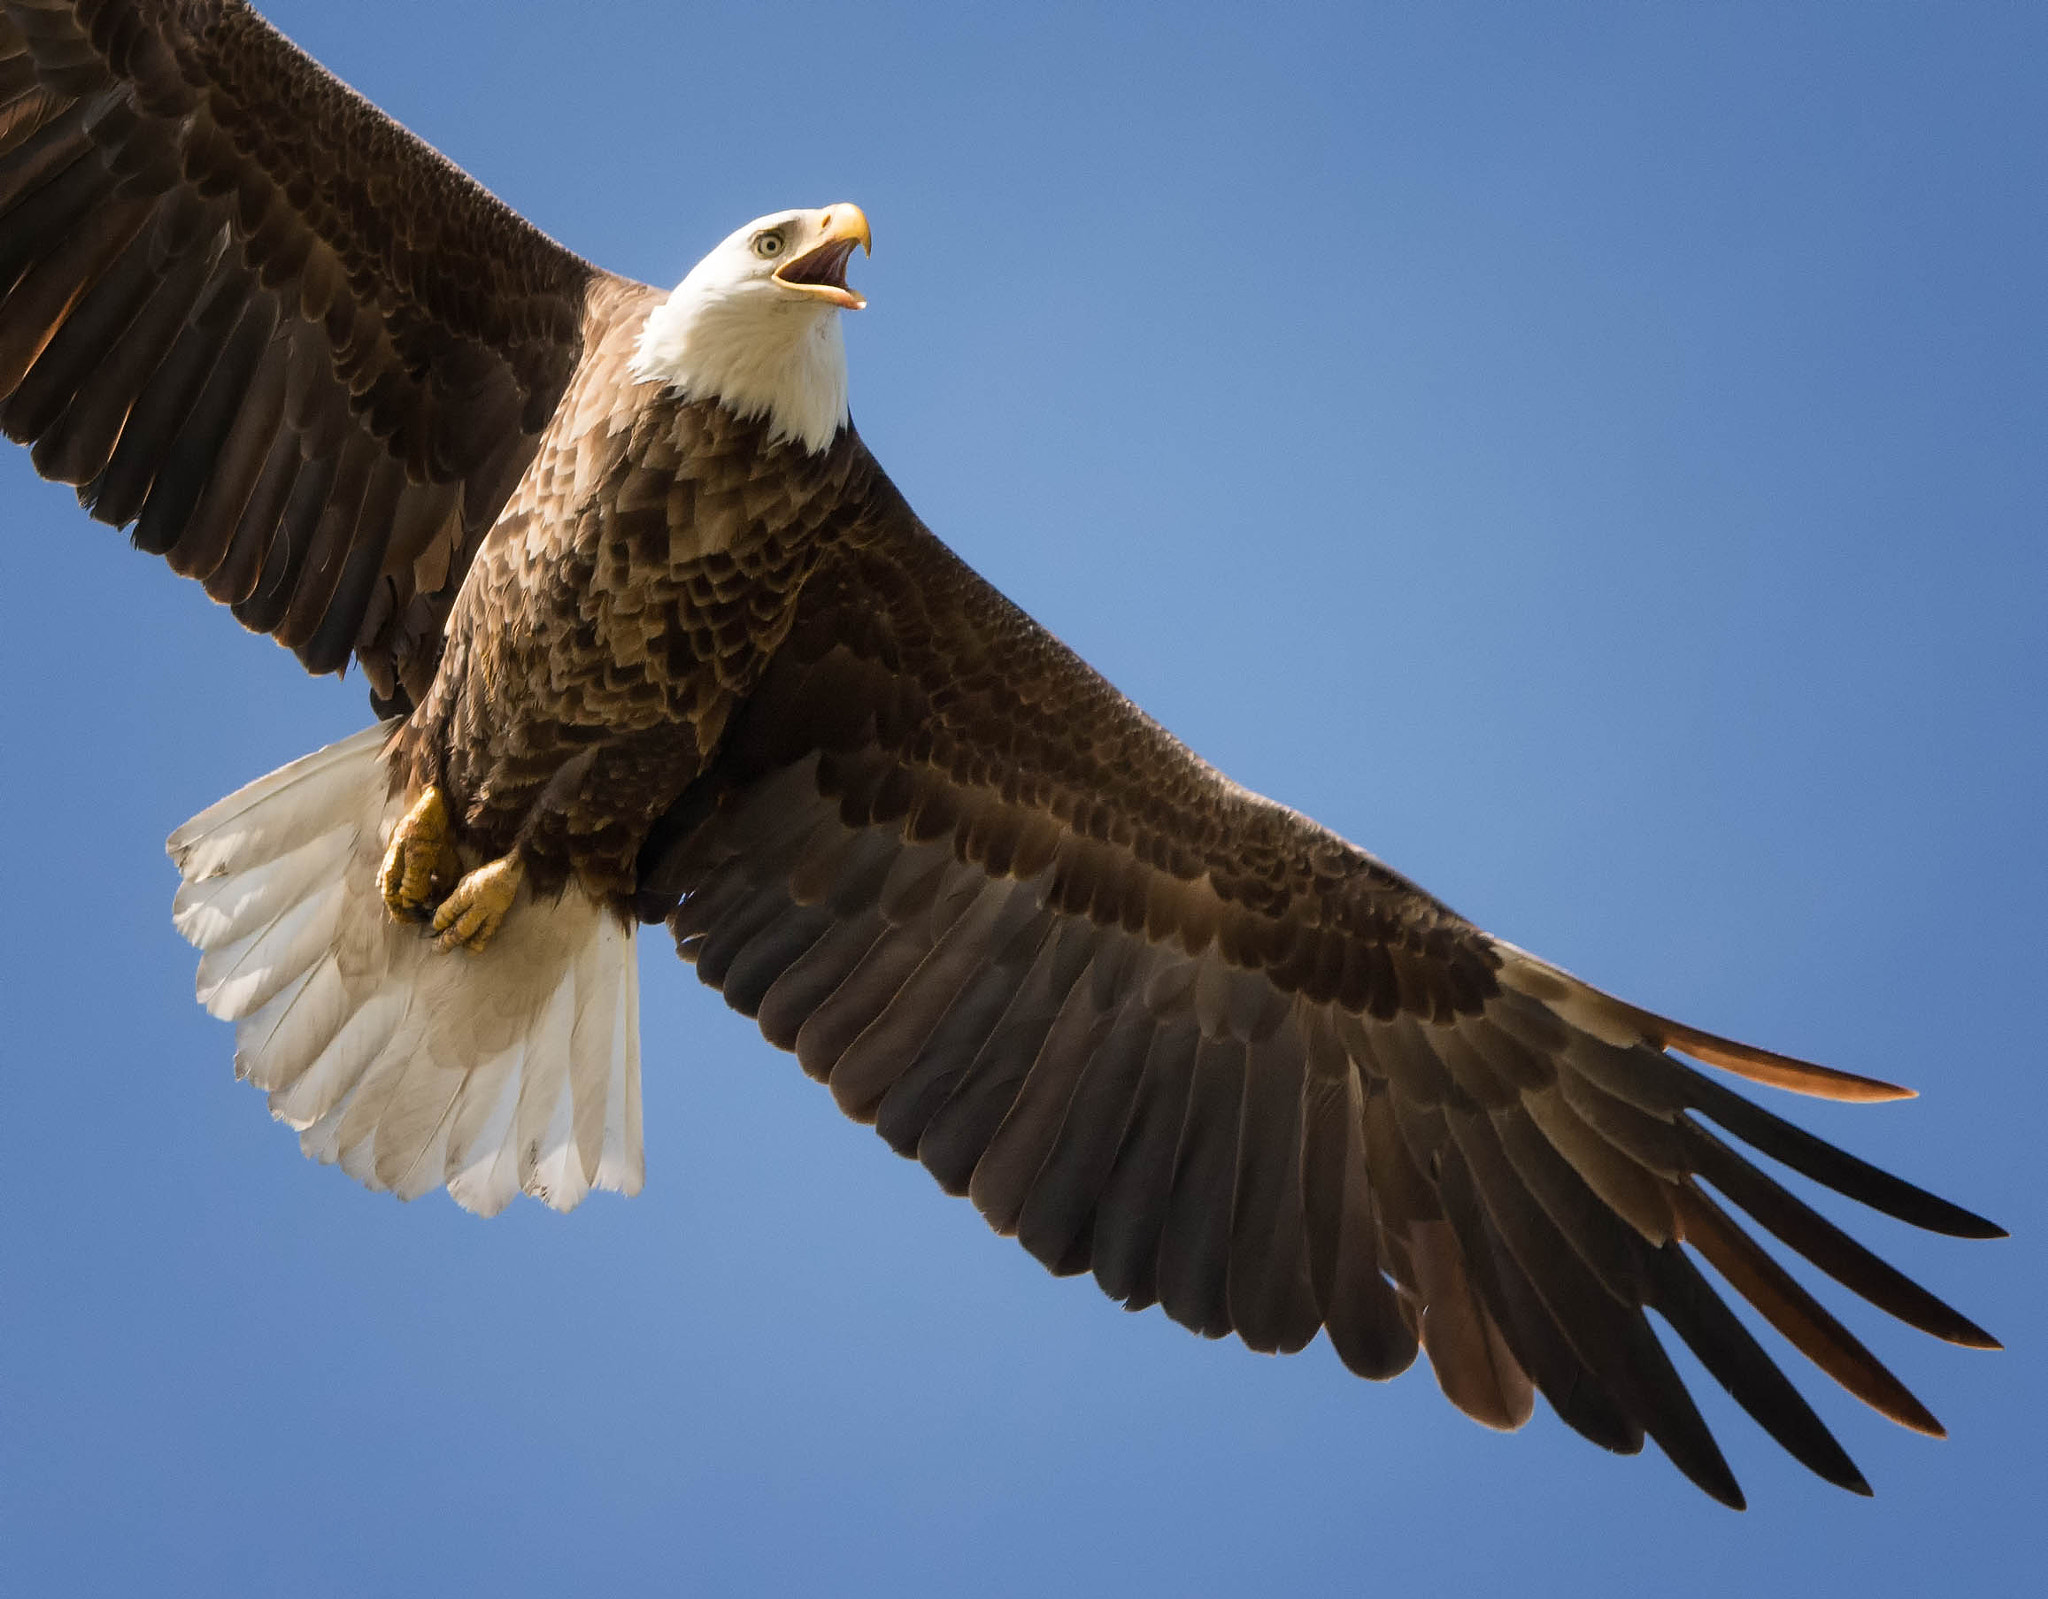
(651,638)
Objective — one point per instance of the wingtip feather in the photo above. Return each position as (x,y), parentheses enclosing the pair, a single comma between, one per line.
(1772,1069)
(1616,1021)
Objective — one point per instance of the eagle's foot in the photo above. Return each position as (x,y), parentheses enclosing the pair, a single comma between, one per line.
(420,864)
(476,908)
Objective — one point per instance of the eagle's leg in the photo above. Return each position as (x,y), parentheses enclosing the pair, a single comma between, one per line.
(420,864)
(475,908)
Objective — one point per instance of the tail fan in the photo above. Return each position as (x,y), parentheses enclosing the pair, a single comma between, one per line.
(513,1071)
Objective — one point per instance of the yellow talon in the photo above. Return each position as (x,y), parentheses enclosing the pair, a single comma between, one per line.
(420,864)
(474,911)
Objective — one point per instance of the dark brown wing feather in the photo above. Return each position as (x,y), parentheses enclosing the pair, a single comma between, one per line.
(1167,1031)
(244,310)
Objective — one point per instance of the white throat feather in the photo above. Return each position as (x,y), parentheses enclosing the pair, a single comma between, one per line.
(756,356)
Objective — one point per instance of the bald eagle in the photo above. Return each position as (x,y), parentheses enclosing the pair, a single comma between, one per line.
(652,639)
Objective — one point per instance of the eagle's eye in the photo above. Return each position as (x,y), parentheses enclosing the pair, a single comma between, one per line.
(768,245)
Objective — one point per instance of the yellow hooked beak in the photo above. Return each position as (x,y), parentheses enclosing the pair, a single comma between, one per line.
(821,270)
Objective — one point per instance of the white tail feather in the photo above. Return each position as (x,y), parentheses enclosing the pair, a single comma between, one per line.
(514,1070)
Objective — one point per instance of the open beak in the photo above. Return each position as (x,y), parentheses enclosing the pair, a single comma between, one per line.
(821,270)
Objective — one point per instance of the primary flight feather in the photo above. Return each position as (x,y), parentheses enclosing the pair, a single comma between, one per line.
(652,638)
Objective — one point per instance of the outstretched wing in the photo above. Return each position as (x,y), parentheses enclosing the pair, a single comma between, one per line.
(1167,1031)
(243,309)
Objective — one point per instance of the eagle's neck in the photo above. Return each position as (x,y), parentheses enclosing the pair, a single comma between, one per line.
(784,361)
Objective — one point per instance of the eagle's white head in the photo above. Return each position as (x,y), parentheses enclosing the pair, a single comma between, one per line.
(755,325)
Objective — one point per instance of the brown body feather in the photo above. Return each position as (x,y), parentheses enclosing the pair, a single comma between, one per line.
(641,575)
(1154,1025)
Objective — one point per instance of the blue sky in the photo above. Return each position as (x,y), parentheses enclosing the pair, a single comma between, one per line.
(1596,457)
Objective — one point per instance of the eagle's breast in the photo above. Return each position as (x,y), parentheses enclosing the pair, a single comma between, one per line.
(638,581)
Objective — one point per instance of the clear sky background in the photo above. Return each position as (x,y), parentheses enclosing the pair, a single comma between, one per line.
(1594,456)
